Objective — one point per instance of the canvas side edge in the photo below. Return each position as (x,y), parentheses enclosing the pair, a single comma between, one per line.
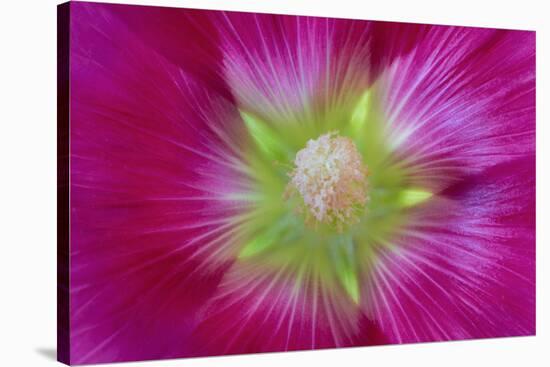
(63,186)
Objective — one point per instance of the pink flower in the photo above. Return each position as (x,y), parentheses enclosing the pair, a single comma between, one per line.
(417,224)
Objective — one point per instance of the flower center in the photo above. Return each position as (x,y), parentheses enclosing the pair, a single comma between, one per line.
(331,178)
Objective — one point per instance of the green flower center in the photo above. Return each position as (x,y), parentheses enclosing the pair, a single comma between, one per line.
(327,188)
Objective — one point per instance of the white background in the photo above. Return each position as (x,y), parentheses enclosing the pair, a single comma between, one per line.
(28,183)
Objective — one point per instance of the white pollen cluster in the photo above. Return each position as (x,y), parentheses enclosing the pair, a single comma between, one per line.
(330,177)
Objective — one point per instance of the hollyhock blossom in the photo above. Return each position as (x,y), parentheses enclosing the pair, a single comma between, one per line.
(249,183)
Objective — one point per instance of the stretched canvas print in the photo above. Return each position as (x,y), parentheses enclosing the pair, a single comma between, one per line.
(241,183)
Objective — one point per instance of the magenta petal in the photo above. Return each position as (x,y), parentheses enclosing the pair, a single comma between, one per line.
(392,40)
(255,310)
(459,100)
(148,168)
(280,66)
(185,37)
(466,266)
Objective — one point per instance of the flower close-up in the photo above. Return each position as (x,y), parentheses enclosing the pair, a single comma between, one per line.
(246,183)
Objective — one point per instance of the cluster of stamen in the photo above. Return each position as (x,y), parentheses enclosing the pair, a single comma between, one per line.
(331,179)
